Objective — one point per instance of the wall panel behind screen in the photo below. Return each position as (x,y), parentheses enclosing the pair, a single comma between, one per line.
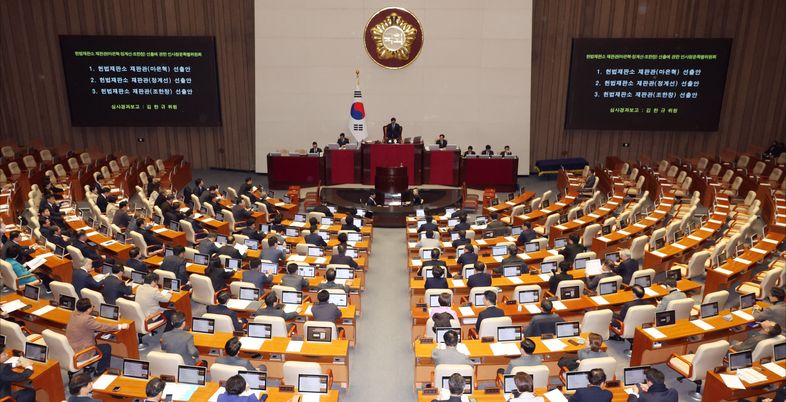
(753,111)
(33,102)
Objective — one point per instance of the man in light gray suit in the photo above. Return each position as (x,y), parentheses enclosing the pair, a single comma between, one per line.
(527,358)
(293,279)
(179,341)
(674,294)
(776,312)
(271,253)
(449,355)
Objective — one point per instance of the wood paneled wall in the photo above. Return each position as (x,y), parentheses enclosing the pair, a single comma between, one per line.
(33,101)
(754,105)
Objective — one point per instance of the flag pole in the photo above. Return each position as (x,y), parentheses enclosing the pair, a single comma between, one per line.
(357,76)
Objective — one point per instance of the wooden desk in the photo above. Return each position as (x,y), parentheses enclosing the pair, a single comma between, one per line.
(505,207)
(105,244)
(683,337)
(740,268)
(716,390)
(539,215)
(61,268)
(619,395)
(170,237)
(47,381)
(622,238)
(133,389)
(212,225)
(576,225)
(489,363)
(125,344)
(365,230)
(333,355)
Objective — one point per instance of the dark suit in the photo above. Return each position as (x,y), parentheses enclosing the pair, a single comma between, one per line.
(442,143)
(513,260)
(592,283)
(498,228)
(428,226)
(323,209)
(257,278)
(240,214)
(343,259)
(555,280)
(460,242)
(82,279)
(218,277)
(570,251)
(432,264)
(87,251)
(315,239)
(224,310)
(114,288)
(176,265)
(207,247)
(526,236)
(393,131)
(591,394)
(251,233)
(136,265)
(315,150)
(121,219)
(325,312)
(8,376)
(461,226)
(342,141)
(542,323)
(625,307)
(230,251)
(478,280)
(102,203)
(656,393)
(467,258)
(245,189)
(150,238)
(489,312)
(626,269)
(436,283)
(275,312)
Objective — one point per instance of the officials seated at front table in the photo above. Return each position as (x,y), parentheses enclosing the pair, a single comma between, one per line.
(315,149)
(487,151)
(469,151)
(342,140)
(506,151)
(393,131)
(441,141)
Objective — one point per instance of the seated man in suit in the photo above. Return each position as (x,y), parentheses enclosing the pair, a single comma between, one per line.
(449,355)
(315,149)
(272,253)
(324,310)
(544,322)
(435,262)
(429,225)
(469,151)
(506,151)
(314,238)
(293,279)
(180,341)
(122,219)
(330,281)
(654,390)
(674,294)
(429,241)
(81,278)
(221,308)
(393,131)
(149,295)
(767,330)
(88,252)
(240,212)
(776,312)
(101,200)
(176,263)
(462,239)
(348,223)
(638,292)
(437,281)
(323,208)
(512,260)
(487,151)
(255,276)
(480,278)
(468,257)
(455,387)
(134,262)
(496,226)
(342,140)
(8,376)
(247,189)
(592,282)
(231,349)
(563,275)
(441,141)
(57,238)
(114,286)
(341,257)
(229,248)
(594,391)
(273,309)
(153,243)
(81,333)
(527,357)
(572,248)
(80,386)
(491,311)
(462,225)
(527,234)
(250,232)
(626,267)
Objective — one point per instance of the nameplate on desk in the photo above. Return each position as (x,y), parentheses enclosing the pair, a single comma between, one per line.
(624,233)
(458,283)
(640,225)
(578,221)
(594,216)
(480,242)
(560,227)
(716,222)
(604,209)
(723,271)
(294,346)
(604,239)
(560,204)
(558,305)
(695,238)
(658,254)
(160,230)
(91,233)
(655,333)
(680,246)
(743,315)
(702,324)
(600,300)
(703,229)
(651,219)
(758,250)
(279,204)
(743,261)
(104,381)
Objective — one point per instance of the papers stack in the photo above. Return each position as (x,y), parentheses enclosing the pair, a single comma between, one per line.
(702,324)
(104,381)
(35,263)
(732,381)
(505,349)
(180,392)
(655,333)
(466,311)
(650,292)
(12,306)
(249,343)
(294,346)
(558,305)
(554,345)
(600,300)
(745,316)
(237,304)
(43,310)
(532,308)
(458,283)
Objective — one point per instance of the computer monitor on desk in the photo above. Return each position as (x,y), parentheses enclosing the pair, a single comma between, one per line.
(664,318)
(635,375)
(467,383)
(191,375)
(312,384)
(576,379)
(256,380)
(136,369)
(740,360)
(439,333)
(779,352)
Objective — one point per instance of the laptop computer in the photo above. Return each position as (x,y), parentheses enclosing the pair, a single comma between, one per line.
(191,375)
(136,369)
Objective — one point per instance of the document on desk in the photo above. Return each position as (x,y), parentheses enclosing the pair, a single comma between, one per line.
(745,316)
(750,375)
(600,300)
(545,277)
(467,311)
(554,345)
(480,242)
(515,280)
(298,224)
(640,225)
(104,381)
(459,283)
(291,308)
(35,263)
(758,250)
(732,381)
(46,255)
(532,308)
(650,292)
(279,204)
(498,258)
(743,261)
(297,258)
(604,239)
(510,238)
(180,392)
(43,310)
(655,333)
(237,304)
(523,256)
(723,271)
(555,396)
(775,368)
(160,230)
(463,349)
(702,324)
(12,306)
(294,346)
(558,305)
(249,343)
(320,260)
(505,349)
(624,233)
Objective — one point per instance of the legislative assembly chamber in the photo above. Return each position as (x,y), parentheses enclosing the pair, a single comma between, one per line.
(407,201)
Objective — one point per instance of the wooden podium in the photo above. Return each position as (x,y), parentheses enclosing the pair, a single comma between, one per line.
(390,180)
